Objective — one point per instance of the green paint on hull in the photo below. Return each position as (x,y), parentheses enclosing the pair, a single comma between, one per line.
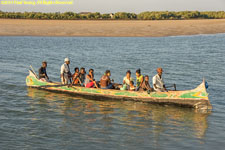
(159,95)
(188,95)
(124,93)
(204,94)
(194,94)
(90,90)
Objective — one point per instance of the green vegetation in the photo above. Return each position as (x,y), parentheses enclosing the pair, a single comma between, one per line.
(155,15)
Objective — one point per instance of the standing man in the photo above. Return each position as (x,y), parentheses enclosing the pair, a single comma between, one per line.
(157,81)
(42,71)
(65,73)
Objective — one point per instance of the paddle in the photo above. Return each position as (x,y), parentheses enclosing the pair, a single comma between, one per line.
(32,69)
(172,86)
(59,85)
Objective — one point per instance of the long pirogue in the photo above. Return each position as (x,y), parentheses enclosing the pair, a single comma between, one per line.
(196,98)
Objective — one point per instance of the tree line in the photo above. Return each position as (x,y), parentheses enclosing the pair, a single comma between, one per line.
(153,15)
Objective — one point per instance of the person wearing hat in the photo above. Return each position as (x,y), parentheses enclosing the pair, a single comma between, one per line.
(42,71)
(65,73)
(157,81)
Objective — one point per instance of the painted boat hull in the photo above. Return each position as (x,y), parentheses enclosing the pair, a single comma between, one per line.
(196,98)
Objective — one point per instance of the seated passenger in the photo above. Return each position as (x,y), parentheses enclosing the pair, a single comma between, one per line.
(105,81)
(82,76)
(42,72)
(76,76)
(89,80)
(157,81)
(126,81)
(139,79)
(145,85)
(132,87)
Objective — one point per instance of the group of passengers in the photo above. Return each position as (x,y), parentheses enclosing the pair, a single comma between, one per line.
(87,80)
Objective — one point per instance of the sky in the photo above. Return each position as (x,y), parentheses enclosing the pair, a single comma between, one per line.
(112,6)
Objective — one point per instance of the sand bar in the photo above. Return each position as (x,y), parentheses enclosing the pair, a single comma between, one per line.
(111,28)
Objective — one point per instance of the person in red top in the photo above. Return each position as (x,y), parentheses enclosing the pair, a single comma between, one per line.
(89,80)
(105,81)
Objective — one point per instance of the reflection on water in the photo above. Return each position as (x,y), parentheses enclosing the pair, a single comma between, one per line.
(167,120)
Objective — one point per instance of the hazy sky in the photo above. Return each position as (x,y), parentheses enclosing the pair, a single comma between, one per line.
(108,6)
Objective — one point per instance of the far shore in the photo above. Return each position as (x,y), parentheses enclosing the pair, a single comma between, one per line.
(110,28)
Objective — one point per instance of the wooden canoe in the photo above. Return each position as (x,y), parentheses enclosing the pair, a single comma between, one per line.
(196,98)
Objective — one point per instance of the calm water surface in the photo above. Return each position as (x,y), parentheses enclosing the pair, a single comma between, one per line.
(36,119)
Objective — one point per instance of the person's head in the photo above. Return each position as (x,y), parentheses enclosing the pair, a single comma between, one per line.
(82,70)
(91,71)
(76,69)
(128,74)
(159,71)
(146,78)
(138,72)
(44,64)
(67,61)
(108,73)
(131,83)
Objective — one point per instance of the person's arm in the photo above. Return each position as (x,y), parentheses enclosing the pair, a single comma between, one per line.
(148,87)
(154,82)
(164,87)
(142,80)
(144,86)
(73,79)
(40,72)
(79,80)
(95,84)
(133,89)
(89,77)
(124,80)
(109,80)
(78,77)
(46,74)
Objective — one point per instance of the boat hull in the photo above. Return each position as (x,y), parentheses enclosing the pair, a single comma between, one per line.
(196,98)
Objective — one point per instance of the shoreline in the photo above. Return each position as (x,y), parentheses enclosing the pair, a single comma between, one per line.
(110,28)
(111,36)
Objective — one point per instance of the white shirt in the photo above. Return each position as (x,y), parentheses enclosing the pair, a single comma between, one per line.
(65,69)
(127,81)
(158,82)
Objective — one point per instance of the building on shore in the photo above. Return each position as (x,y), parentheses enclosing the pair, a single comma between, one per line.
(111,15)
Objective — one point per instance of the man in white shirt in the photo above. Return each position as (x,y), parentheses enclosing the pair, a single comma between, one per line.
(157,81)
(65,73)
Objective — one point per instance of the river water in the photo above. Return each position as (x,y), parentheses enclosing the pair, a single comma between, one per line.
(37,119)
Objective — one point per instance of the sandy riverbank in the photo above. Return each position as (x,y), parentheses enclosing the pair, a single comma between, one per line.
(17,27)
